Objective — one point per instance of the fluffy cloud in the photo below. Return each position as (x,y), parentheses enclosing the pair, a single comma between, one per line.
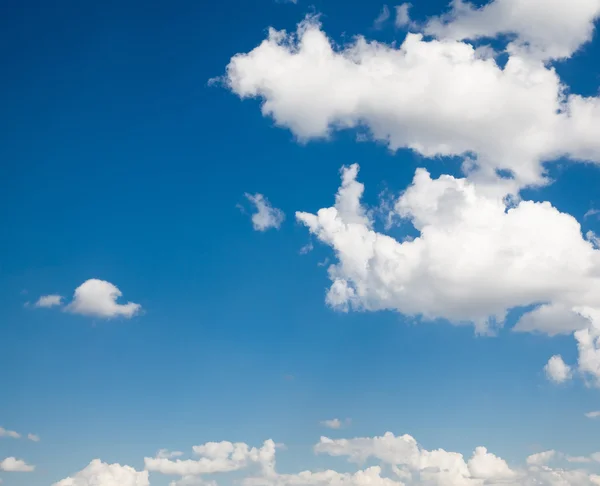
(557,370)
(11,464)
(548,29)
(588,345)
(266,216)
(434,97)
(475,257)
(216,457)
(99,298)
(49,301)
(33,437)
(541,458)
(9,433)
(401,462)
(98,473)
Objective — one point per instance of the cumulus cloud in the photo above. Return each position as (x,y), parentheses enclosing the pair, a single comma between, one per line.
(435,97)
(9,433)
(476,257)
(49,301)
(216,457)
(99,298)
(548,29)
(166,454)
(98,473)
(11,464)
(593,415)
(266,216)
(402,461)
(33,437)
(557,370)
(541,458)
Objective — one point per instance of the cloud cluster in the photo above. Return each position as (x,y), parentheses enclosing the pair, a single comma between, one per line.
(440,97)
(94,297)
(401,461)
(15,435)
(266,216)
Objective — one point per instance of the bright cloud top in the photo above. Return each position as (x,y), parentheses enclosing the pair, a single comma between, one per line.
(98,473)
(434,97)
(401,462)
(266,216)
(99,298)
(49,301)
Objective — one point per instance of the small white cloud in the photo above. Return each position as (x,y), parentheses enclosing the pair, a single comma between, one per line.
(382,18)
(541,458)
(11,464)
(9,433)
(335,423)
(593,415)
(49,300)
(306,248)
(557,370)
(266,216)
(33,437)
(402,15)
(591,212)
(99,298)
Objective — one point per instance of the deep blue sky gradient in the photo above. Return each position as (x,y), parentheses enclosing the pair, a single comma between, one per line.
(118,162)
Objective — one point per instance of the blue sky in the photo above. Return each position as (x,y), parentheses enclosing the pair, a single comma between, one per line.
(121,163)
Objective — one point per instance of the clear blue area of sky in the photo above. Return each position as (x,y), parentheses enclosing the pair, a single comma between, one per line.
(118,162)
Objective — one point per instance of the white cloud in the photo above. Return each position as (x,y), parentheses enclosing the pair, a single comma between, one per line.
(11,464)
(382,18)
(593,415)
(33,437)
(335,423)
(216,457)
(9,433)
(588,345)
(98,473)
(266,216)
(49,301)
(546,28)
(402,15)
(435,97)
(402,462)
(534,253)
(541,458)
(556,370)
(99,298)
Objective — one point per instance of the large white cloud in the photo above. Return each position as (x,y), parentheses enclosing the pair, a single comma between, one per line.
(98,298)
(474,259)
(99,473)
(437,97)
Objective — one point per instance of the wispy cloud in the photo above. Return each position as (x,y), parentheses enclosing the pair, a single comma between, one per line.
(266,216)
(335,423)
(382,18)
